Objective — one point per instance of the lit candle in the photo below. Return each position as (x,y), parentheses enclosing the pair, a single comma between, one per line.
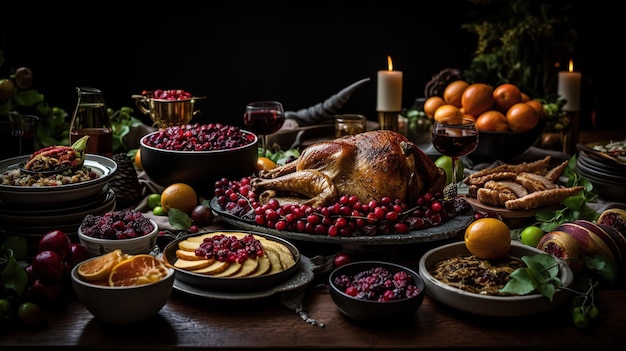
(389,97)
(569,88)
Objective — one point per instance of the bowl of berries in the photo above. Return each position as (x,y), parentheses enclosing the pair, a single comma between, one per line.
(376,291)
(198,155)
(127,230)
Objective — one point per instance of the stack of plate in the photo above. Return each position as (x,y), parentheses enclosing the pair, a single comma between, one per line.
(608,177)
(32,211)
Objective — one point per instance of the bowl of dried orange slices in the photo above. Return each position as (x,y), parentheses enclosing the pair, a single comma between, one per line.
(119,288)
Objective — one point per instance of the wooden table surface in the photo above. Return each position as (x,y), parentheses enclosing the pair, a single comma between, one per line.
(195,323)
(189,322)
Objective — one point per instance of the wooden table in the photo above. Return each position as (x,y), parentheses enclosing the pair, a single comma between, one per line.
(189,322)
(192,323)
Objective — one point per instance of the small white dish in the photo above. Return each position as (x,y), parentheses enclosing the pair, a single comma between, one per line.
(488,305)
(139,245)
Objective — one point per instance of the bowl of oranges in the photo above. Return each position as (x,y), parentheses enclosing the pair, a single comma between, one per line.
(508,121)
(119,288)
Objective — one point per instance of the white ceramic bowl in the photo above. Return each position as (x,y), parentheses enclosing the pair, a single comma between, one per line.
(486,305)
(139,245)
(122,305)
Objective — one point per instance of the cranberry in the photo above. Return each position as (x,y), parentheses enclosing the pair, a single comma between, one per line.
(342,259)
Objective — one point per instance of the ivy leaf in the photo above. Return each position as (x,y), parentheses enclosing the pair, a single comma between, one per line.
(603,265)
(13,276)
(540,274)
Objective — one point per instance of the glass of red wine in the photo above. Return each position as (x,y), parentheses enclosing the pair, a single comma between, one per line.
(454,137)
(264,118)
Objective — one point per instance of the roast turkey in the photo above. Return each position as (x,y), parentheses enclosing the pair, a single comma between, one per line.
(369,165)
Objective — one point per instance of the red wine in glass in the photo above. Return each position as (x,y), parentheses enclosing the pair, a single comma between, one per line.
(453,144)
(264,118)
(454,137)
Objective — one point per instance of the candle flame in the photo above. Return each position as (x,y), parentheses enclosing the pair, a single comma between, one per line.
(571,65)
(389,63)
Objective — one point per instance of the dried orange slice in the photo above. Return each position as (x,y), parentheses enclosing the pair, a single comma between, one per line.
(99,268)
(137,270)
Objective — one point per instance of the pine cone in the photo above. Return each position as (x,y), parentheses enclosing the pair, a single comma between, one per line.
(125,183)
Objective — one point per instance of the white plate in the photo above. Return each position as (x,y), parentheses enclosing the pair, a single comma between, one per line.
(494,306)
(303,277)
(40,195)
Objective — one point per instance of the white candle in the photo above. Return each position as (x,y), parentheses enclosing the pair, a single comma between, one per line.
(569,88)
(389,97)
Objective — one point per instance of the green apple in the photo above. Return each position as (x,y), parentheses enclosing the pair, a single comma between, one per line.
(445,162)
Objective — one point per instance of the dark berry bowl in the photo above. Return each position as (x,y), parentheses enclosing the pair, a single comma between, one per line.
(141,244)
(283,258)
(198,155)
(397,297)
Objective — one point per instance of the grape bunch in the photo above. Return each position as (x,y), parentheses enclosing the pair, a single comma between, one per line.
(347,217)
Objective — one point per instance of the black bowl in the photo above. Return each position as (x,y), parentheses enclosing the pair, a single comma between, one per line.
(238,284)
(200,169)
(503,146)
(374,311)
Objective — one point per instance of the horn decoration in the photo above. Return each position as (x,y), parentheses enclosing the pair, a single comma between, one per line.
(326,110)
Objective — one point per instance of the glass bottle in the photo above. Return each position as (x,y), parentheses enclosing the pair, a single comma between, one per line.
(91,118)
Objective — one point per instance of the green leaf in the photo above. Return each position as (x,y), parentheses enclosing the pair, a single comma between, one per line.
(178,219)
(520,283)
(13,276)
(539,275)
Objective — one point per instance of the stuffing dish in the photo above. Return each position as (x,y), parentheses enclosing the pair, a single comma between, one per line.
(468,273)
(17,177)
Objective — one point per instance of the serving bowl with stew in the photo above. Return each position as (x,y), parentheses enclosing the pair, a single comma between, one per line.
(487,304)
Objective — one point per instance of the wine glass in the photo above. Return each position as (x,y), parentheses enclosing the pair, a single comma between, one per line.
(454,137)
(264,118)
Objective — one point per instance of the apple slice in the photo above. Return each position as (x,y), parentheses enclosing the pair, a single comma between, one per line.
(263,267)
(247,267)
(191,265)
(233,268)
(213,268)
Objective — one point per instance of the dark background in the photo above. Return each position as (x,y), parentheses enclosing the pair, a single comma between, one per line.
(299,54)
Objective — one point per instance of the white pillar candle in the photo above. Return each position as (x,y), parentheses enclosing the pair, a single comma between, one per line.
(389,97)
(569,88)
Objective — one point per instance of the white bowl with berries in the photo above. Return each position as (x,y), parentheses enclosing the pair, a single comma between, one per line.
(127,230)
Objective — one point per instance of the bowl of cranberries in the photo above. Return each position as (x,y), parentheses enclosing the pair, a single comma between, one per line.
(376,291)
(198,154)
(127,230)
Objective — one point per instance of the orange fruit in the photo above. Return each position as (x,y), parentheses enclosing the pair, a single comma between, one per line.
(492,120)
(506,95)
(179,195)
(448,110)
(432,104)
(522,117)
(525,97)
(264,164)
(454,91)
(538,106)
(100,267)
(488,238)
(477,98)
(137,270)
(138,160)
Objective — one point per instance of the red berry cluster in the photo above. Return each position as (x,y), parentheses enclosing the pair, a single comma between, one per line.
(377,284)
(122,224)
(347,217)
(175,94)
(227,248)
(199,137)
